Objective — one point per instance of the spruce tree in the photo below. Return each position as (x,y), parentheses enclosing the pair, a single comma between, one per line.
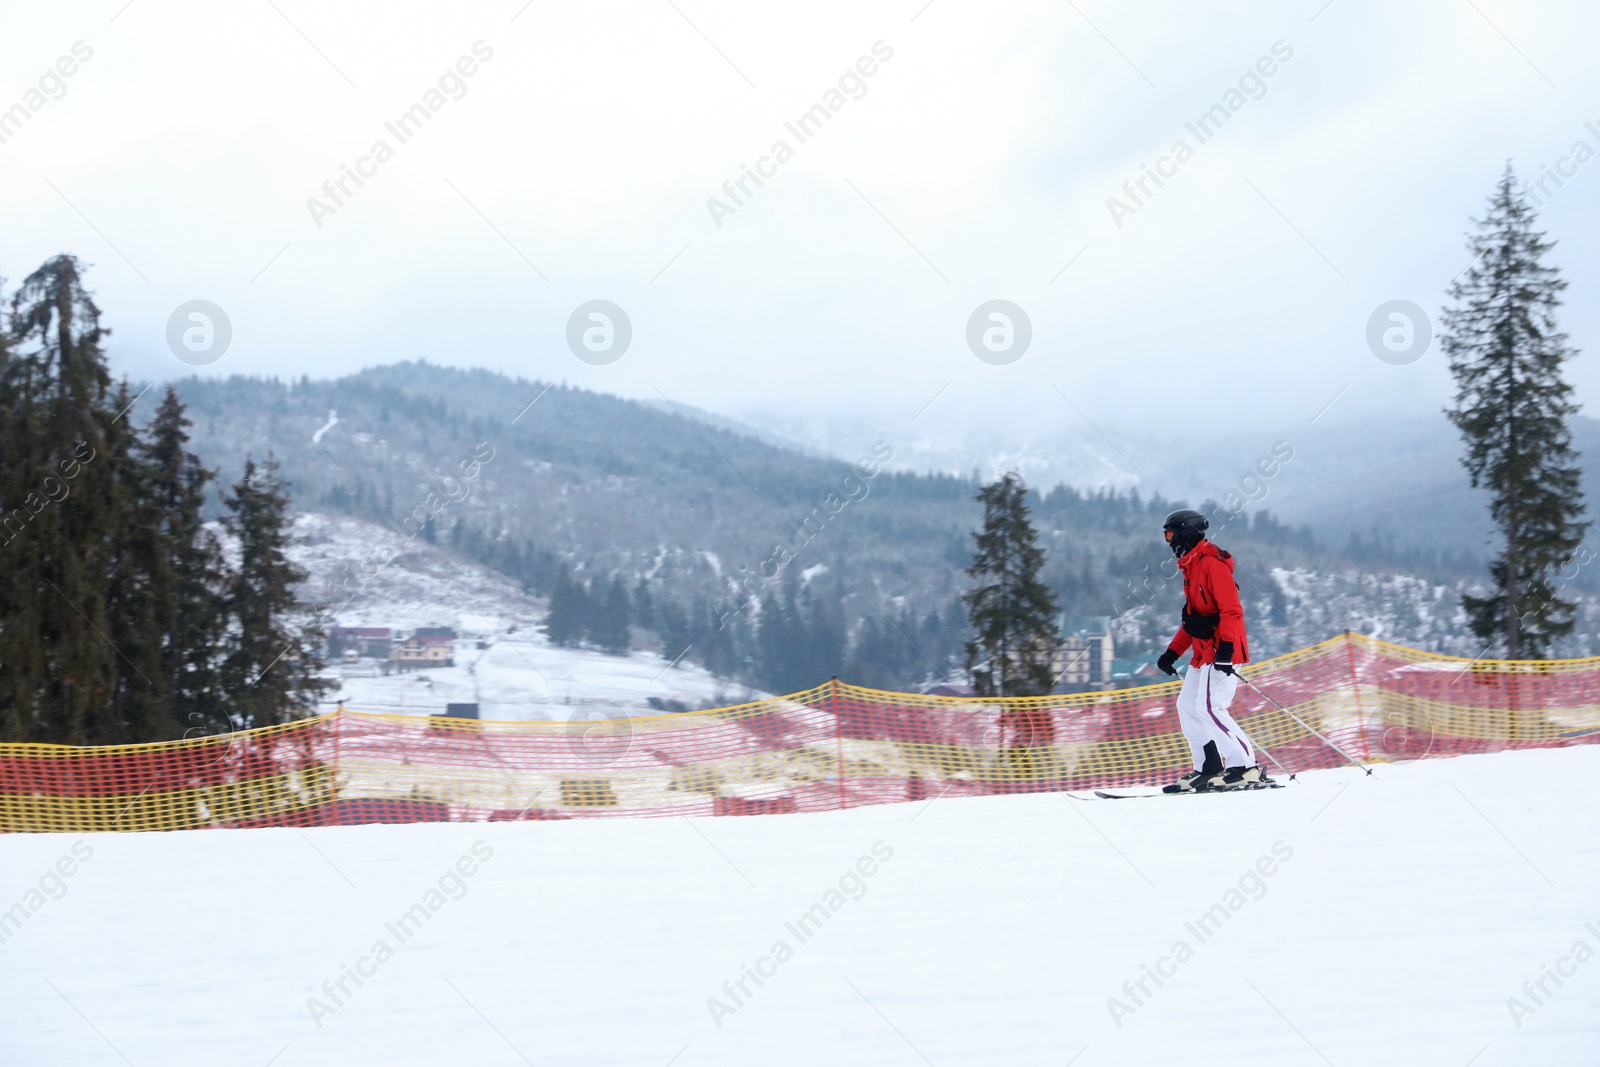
(1013,613)
(22,666)
(822,640)
(719,643)
(138,578)
(1512,406)
(564,624)
(612,618)
(676,631)
(191,570)
(270,671)
(119,621)
(61,509)
(778,635)
(644,607)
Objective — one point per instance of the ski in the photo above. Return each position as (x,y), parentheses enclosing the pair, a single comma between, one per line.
(1265,783)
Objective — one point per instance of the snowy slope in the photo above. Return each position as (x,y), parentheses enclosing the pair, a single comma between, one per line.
(1399,914)
(519,675)
(421,585)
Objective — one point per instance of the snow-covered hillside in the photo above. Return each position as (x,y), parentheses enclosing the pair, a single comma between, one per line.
(1413,917)
(502,661)
(1401,608)
(1307,606)
(1395,607)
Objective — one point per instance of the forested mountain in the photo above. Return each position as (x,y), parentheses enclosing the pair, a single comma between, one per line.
(774,563)
(1400,476)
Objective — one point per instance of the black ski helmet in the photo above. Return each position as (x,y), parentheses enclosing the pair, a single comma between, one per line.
(1184,530)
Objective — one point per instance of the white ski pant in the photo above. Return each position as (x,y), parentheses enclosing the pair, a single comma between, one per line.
(1203,714)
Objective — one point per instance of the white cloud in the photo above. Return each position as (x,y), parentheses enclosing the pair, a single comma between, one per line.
(990,142)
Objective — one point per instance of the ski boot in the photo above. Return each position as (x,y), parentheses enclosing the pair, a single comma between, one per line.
(1193,782)
(1209,775)
(1240,778)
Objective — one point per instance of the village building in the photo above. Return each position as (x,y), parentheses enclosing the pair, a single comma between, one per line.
(1084,652)
(422,651)
(371,642)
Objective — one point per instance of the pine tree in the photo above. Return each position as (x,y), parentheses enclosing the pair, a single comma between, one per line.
(1512,406)
(270,672)
(777,638)
(799,641)
(112,628)
(60,509)
(611,633)
(644,607)
(1012,612)
(137,580)
(882,658)
(564,624)
(822,641)
(676,632)
(720,645)
(192,571)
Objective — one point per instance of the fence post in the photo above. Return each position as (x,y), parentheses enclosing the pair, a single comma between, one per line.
(337,722)
(1355,694)
(838,732)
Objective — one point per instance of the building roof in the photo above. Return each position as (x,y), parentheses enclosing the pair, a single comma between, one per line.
(432,639)
(1134,665)
(362,631)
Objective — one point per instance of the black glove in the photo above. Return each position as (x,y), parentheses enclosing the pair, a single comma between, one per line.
(1224,658)
(1165,663)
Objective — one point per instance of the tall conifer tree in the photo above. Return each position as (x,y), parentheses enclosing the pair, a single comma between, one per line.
(612,613)
(191,570)
(1512,406)
(269,674)
(60,509)
(1013,613)
(565,623)
(137,580)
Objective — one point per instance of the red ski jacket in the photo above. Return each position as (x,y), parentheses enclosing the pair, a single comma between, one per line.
(1209,589)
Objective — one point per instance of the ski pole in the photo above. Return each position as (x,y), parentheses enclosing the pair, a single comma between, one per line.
(1270,756)
(1303,723)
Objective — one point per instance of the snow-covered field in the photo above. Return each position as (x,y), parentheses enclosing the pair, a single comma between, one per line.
(519,675)
(1362,922)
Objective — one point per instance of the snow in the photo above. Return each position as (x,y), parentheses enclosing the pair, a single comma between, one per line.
(523,677)
(366,574)
(333,420)
(519,676)
(1381,920)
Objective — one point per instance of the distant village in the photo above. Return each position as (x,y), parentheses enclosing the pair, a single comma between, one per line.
(1085,659)
(388,650)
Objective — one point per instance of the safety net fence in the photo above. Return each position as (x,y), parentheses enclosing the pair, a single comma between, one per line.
(835,746)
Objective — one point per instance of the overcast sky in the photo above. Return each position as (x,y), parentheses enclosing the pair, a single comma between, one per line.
(976,161)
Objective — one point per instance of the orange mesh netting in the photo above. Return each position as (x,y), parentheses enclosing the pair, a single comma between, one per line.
(830,747)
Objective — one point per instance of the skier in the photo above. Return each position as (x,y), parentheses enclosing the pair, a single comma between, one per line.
(1213,635)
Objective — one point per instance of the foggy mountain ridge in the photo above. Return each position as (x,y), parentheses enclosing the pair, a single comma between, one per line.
(1402,477)
(610,485)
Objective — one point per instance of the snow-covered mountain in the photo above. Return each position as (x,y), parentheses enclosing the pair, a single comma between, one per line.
(1371,526)
(502,661)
